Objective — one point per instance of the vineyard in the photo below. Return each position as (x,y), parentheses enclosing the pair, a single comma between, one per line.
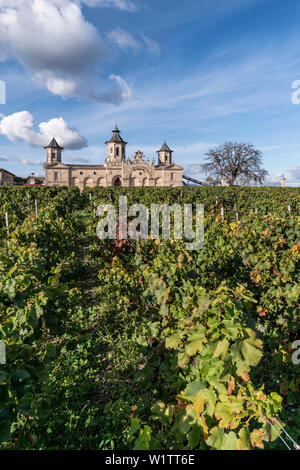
(142,344)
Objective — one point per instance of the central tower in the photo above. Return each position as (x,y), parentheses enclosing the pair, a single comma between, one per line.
(53,152)
(116,148)
(165,155)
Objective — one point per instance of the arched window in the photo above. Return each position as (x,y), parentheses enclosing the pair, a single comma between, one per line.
(117,151)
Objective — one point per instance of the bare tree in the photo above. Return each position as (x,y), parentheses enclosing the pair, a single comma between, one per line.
(238,163)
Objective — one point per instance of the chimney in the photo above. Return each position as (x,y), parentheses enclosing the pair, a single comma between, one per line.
(283,181)
(224,181)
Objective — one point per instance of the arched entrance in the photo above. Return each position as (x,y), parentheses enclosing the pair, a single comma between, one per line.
(117,181)
(101,181)
(88,183)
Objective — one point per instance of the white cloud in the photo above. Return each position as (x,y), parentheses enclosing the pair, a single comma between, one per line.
(126,91)
(19,126)
(58,47)
(193,170)
(198,148)
(293,174)
(123,39)
(23,161)
(29,162)
(127,5)
(59,86)
(152,45)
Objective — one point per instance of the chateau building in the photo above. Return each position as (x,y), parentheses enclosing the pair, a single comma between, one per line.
(117,169)
(6,178)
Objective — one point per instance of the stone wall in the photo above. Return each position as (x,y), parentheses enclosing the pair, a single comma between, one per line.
(6,178)
(127,175)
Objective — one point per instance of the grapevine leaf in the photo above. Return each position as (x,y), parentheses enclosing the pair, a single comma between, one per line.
(144,439)
(172,342)
(195,346)
(219,440)
(256,438)
(244,442)
(251,349)
(222,348)
(192,390)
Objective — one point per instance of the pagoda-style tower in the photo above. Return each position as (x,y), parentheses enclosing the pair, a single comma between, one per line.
(116,148)
(53,152)
(165,155)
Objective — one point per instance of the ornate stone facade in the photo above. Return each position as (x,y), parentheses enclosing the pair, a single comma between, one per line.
(6,178)
(116,171)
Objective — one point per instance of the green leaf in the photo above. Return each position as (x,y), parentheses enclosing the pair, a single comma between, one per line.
(172,342)
(51,351)
(222,348)
(10,288)
(269,431)
(276,397)
(203,302)
(227,412)
(195,436)
(248,352)
(185,422)
(38,309)
(237,356)
(144,439)
(3,376)
(244,442)
(195,346)
(134,426)
(154,329)
(5,432)
(231,330)
(220,441)
(209,395)
(19,376)
(197,393)
(193,389)
(251,349)
(165,413)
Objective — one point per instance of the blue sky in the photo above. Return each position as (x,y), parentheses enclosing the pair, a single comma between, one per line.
(193,73)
